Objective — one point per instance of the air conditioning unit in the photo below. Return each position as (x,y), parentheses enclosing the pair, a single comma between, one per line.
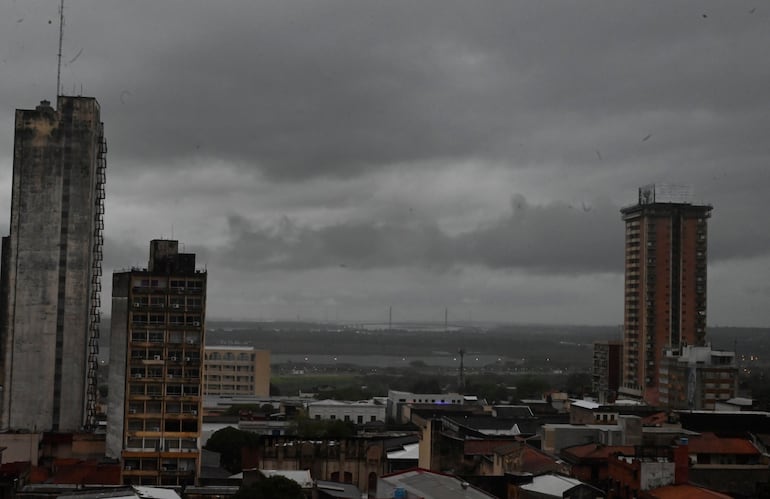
(194,412)
(132,411)
(173,358)
(196,323)
(174,305)
(137,304)
(138,375)
(187,359)
(156,357)
(129,467)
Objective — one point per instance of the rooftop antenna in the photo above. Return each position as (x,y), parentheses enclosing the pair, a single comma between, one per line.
(390,318)
(61,38)
(461,381)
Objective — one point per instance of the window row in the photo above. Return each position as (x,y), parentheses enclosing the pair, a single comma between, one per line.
(243,356)
(161,336)
(170,354)
(157,390)
(160,283)
(164,444)
(164,301)
(142,318)
(168,425)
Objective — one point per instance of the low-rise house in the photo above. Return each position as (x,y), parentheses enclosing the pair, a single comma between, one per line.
(360,412)
(397,400)
(729,464)
(589,462)
(520,457)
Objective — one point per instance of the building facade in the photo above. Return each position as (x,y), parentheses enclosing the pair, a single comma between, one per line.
(236,371)
(665,284)
(51,269)
(155,396)
(606,370)
(696,378)
(358,412)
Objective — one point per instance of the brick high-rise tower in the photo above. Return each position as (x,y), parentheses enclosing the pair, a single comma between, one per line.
(665,284)
(51,269)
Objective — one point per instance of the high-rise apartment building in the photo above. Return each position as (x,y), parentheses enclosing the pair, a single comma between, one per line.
(606,371)
(157,337)
(236,371)
(665,284)
(697,378)
(51,269)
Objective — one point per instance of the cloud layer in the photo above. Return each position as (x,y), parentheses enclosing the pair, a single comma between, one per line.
(361,153)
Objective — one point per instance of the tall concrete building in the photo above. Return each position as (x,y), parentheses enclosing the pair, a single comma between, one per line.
(157,337)
(665,284)
(605,375)
(51,269)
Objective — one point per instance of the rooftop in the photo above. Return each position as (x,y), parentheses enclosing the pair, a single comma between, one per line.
(551,485)
(431,485)
(710,443)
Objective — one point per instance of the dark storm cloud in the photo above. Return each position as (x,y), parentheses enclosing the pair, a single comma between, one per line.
(557,238)
(300,89)
(346,115)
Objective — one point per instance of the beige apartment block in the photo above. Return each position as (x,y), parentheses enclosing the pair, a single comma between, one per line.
(236,370)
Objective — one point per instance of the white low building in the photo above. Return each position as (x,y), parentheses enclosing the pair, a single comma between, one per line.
(360,412)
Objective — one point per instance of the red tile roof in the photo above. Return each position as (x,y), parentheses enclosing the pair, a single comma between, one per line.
(709,443)
(596,451)
(537,462)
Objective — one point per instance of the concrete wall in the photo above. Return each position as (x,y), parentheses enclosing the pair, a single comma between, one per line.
(118,357)
(48,266)
(352,410)
(262,374)
(21,447)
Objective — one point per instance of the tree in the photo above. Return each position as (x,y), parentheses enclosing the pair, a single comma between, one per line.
(229,442)
(275,487)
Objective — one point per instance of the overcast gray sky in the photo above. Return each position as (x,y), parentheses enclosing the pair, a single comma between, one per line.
(329,159)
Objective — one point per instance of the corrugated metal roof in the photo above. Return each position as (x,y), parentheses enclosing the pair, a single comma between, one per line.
(409,451)
(155,493)
(552,485)
(429,485)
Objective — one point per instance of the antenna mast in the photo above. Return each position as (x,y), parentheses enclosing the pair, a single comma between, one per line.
(61,38)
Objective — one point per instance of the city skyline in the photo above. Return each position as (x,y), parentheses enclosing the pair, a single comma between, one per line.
(329,160)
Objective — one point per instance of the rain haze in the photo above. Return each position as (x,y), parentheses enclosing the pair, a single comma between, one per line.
(331,159)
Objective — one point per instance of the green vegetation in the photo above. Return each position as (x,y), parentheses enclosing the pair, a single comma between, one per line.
(228,442)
